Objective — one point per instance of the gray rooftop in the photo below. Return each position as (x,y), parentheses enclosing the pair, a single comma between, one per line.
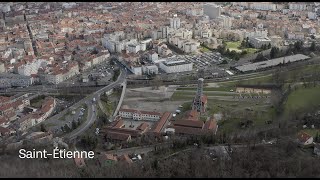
(271,62)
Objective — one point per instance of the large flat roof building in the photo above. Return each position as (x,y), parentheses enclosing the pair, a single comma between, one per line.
(174,65)
(271,62)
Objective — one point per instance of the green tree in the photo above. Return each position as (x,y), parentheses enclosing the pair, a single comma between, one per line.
(313,46)
(224,62)
(112,62)
(227,52)
(298,46)
(116,74)
(237,57)
(74,124)
(274,52)
(243,44)
(269,46)
(67,128)
(244,52)
(259,58)
(43,128)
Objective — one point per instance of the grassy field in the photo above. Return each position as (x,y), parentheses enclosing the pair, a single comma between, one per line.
(235,46)
(230,85)
(204,49)
(37,102)
(259,113)
(296,74)
(302,98)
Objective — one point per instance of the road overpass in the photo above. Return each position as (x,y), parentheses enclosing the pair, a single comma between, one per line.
(91,118)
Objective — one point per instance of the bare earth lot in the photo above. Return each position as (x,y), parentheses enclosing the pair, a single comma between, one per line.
(151,100)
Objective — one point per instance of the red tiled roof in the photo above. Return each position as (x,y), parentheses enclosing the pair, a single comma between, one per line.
(6,107)
(117,136)
(303,137)
(4,130)
(110,157)
(187,130)
(4,99)
(133,133)
(143,126)
(204,99)
(79,161)
(159,125)
(3,120)
(192,115)
(125,158)
(188,123)
(119,124)
(142,112)
(210,125)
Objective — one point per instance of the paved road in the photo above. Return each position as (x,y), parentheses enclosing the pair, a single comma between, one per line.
(92,106)
(121,98)
(84,126)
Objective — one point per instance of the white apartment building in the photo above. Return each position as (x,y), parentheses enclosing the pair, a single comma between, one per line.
(256,33)
(103,57)
(139,115)
(136,70)
(175,22)
(190,46)
(264,6)
(312,15)
(295,36)
(195,12)
(175,66)
(133,48)
(150,69)
(212,10)
(298,6)
(2,68)
(54,78)
(225,21)
(31,68)
(258,42)
(119,46)
(153,56)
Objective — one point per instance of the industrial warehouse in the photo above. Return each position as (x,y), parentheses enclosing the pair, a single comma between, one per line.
(271,63)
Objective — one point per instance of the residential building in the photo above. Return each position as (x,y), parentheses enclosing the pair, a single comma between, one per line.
(173,65)
(149,69)
(298,6)
(139,115)
(175,22)
(258,42)
(2,68)
(304,139)
(212,10)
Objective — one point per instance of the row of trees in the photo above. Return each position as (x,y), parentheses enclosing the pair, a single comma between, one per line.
(230,54)
(116,74)
(281,160)
(74,125)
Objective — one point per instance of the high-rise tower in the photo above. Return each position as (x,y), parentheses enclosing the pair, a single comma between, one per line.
(200,100)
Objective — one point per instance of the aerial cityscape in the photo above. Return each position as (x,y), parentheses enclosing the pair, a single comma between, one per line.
(160,89)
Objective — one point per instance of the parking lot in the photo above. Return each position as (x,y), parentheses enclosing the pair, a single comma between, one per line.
(204,60)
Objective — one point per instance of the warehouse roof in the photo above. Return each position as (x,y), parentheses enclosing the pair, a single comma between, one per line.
(271,62)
